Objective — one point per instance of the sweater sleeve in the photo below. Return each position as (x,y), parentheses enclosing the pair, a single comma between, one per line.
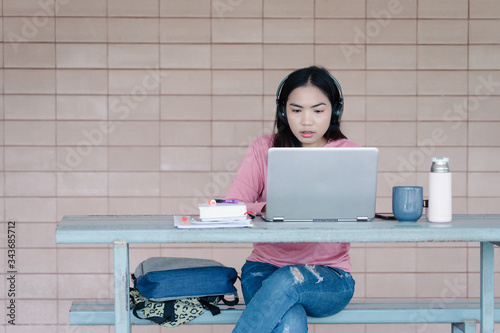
(249,184)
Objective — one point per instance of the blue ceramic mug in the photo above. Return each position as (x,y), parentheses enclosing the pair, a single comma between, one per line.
(407,203)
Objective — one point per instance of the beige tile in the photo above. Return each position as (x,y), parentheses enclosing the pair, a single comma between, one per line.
(89,82)
(34,107)
(294,8)
(179,205)
(81,206)
(484,9)
(355,107)
(442,31)
(237,31)
(187,82)
(134,206)
(481,159)
(442,82)
(81,8)
(387,9)
(133,30)
(391,133)
(340,56)
(85,29)
(234,82)
(30,184)
(389,260)
(186,184)
(37,235)
(186,159)
(474,285)
(394,31)
(447,108)
(146,8)
(186,133)
(180,8)
(185,107)
(442,133)
(484,84)
(442,260)
(26,8)
(29,81)
(85,133)
(145,107)
(41,210)
(28,29)
(328,31)
(30,158)
(134,84)
(442,285)
(482,205)
(177,56)
(483,133)
(82,56)
(30,133)
(35,286)
(86,289)
(237,108)
(391,83)
(391,285)
(135,133)
(480,184)
(443,9)
(480,31)
(288,56)
(135,184)
(235,133)
(79,107)
(484,57)
(78,261)
(237,56)
(391,57)
(82,184)
(352,82)
(83,157)
(32,55)
(288,31)
(227,159)
(133,56)
(252,8)
(355,131)
(442,57)
(398,159)
(391,108)
(474,261)
(134,159)
(340,9)
(185,30)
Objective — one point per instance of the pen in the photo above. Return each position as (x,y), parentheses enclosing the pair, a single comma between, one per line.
(214,201)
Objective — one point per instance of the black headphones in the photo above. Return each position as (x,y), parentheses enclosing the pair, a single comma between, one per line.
(336,109)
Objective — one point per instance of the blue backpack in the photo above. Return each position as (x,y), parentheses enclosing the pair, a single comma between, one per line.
(172,291)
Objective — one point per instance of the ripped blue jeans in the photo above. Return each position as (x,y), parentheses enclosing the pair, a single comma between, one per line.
(280,299)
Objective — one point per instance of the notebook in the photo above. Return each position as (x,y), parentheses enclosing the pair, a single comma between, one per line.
(321,184)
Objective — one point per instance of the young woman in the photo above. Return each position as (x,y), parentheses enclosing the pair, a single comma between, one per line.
(283,283)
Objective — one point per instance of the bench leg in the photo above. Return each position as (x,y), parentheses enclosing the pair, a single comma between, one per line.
(465,327)
(487,287)
(122,285)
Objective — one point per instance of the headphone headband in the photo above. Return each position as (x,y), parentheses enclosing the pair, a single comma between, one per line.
(337,109)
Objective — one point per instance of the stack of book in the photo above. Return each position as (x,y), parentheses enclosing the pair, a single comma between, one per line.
(231,214)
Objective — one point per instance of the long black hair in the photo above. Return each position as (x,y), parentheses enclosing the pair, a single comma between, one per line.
(314,76)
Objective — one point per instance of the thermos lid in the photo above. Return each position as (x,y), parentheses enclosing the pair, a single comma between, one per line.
(440,164)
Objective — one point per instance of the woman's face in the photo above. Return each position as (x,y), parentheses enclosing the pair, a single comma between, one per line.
(308,111)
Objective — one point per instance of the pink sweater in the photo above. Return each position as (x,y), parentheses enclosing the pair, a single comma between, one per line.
(249,186)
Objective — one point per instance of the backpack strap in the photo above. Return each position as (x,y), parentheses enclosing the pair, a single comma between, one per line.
(207,304)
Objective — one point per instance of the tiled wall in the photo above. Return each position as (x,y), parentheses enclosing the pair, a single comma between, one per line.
(146,107)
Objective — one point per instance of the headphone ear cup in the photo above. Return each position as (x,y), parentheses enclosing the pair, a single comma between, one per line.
(281,112)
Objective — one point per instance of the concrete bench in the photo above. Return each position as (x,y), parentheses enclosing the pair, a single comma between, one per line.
(461,314)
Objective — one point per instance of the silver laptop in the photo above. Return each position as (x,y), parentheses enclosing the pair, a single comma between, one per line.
(321,184)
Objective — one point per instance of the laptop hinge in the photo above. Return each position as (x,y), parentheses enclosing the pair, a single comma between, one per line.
(279,219)
(362,218)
